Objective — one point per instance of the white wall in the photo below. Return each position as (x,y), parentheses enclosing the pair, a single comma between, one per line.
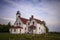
(41,30)
(31,23)
(16,32)
(18,21)
(35,23)
(23,30)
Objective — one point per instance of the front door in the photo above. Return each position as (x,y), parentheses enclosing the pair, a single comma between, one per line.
(31,30)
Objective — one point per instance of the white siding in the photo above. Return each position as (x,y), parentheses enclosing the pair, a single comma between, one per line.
(18,21)
(35,23)
(41,30)
(23,30)
(15,32)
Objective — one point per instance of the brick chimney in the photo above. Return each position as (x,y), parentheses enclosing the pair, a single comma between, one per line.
(31,17)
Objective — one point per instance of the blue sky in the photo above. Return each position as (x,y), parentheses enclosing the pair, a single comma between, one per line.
(47,10)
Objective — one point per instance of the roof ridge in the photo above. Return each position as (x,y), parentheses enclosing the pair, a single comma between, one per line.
(23,18)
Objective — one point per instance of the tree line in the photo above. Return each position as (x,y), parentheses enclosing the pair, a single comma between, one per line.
(5,28)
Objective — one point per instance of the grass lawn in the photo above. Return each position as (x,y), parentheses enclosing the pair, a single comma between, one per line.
(48,36)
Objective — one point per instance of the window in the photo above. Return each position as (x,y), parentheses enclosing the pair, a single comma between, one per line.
(14,30)
(20,30)
(19,23)
(25,28)
(33,23)
(39,27)
(28,23)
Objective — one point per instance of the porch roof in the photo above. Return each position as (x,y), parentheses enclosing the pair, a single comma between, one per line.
(32,26)
(17,27)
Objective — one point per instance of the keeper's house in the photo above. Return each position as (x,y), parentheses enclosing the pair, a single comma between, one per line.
(31,25)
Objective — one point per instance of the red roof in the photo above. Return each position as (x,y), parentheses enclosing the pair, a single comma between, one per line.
(37,20)
(17,27)
(24,20)
(32,26)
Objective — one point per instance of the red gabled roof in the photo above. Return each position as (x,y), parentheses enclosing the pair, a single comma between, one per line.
(37,20)
(32,26)
(24,20)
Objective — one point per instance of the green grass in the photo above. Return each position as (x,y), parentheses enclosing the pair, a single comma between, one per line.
(48,36)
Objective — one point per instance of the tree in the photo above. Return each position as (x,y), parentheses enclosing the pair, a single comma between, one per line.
(5,28)
(9,24)
(47,30)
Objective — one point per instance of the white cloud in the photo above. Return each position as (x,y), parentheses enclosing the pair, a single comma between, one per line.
(50,12)
(12,20)
(29,9)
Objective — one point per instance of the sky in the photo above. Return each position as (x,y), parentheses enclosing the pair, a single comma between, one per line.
(47,10)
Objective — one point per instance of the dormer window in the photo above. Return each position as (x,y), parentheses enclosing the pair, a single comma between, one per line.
(19,23)
(28,23)
(33,23)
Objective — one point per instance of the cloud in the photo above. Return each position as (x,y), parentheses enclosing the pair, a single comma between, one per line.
(12,20)
(46,10)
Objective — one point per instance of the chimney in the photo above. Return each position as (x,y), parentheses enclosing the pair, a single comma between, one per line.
(32,16)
